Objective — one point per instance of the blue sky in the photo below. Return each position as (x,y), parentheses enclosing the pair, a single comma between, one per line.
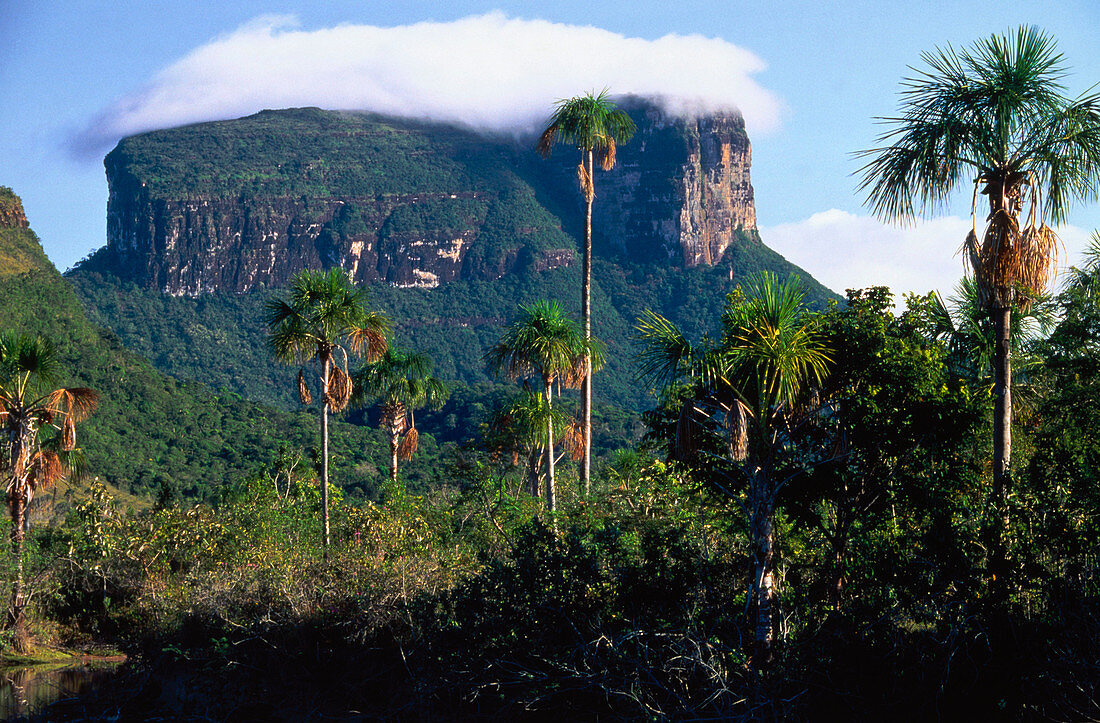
(810,77)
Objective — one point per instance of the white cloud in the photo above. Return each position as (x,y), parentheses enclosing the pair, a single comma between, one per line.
(843,251)
(490,71)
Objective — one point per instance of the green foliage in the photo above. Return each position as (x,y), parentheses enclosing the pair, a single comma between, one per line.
(153,431)
(301,152)
(997,107)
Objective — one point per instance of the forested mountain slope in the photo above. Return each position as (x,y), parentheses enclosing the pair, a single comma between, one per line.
(153,434)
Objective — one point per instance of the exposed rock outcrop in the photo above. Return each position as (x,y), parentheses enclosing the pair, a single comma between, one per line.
(11,210)
(233,205)
(680,190)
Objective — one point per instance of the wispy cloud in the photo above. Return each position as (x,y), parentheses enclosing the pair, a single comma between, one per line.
(490,71)
(845,251)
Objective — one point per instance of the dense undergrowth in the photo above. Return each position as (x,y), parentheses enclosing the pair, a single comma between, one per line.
(465,604)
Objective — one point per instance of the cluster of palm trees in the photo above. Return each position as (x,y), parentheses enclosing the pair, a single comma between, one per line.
(545,346)
(323,320)
(993,118)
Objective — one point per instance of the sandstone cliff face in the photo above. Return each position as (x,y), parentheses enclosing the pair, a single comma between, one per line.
(11,210)
(409,205)
(194,246)
(680,190)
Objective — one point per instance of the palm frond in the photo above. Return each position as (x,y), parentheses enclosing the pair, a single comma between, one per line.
(994,109)
(665,354)
(590,122)
(409,443)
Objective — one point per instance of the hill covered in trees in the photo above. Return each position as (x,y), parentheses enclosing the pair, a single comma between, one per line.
(154,434)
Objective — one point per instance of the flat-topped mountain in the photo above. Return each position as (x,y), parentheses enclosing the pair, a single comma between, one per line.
(236,205)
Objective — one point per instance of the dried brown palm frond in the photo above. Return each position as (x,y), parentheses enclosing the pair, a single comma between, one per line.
(369,343)
(339,389)
(572,440)
(68,434)
(46,470)
(737,429)
(546,141)
(995,261)
(303,391)
(77,402)
(1038,263)
(607,158)
(688,427)
(573,377)
(409,442)
(585,182)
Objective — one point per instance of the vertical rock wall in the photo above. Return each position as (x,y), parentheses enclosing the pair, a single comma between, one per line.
(680,190)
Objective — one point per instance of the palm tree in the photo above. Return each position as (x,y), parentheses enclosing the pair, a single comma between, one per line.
(520,428)
(595,126)
(400,382)
(323,319)
(28,405)
(755,387)
(966,331)
(995,117)
(545,343)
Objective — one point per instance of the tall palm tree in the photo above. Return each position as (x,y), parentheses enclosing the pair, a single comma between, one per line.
(755,387)
(993,117)
(595,126)
(400,382)
(323,319)
(28,405)
(545,344)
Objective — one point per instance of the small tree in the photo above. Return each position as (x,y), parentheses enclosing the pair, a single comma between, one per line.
(545,344)
(323,319)
(755,386)
(399,382)
(29,405)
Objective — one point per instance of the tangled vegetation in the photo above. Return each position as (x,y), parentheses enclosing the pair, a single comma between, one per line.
(464,602)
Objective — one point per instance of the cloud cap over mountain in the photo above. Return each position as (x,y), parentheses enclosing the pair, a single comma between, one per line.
(491,71)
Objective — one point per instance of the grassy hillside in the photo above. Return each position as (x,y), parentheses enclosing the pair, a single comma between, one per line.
(306,152)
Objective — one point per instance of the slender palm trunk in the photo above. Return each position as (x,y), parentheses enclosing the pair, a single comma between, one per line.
(586,314)
(762,531)
(551,491)
(1002,446)
(327,367)
(17,507)
(394,445)
(534,459)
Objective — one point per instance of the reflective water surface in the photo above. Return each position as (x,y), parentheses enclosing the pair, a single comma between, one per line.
(26,690)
